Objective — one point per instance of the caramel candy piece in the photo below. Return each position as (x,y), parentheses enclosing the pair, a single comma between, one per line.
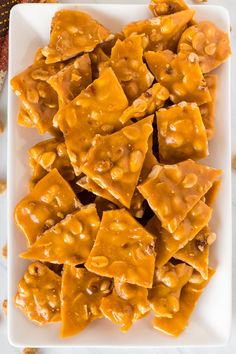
(115,161)
(95,111)
(39,99)
(166,7)
(127,304)
(180,74)
(196,252)
(209,42)
(38,294)
(127,63)
(51,154)
(81,295)
(168,244)
(73,32)
(208,109)
(167,285)
(161,32)
(188,299)
(91,186)
(72,79)
(146,104)
(181,133)
(50,200)
(123,249)
(211,195)
(68,242)
(173,190)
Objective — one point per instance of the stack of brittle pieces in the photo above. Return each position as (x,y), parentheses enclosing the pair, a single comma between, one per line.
(117,216)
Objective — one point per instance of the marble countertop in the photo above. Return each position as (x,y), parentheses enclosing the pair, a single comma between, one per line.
(5,347)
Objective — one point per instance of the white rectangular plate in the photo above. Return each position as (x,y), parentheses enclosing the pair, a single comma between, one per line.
(210,323)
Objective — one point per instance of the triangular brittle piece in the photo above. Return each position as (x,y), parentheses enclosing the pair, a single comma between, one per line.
(123,249)
(166,7)
(173,190)
(209,42)
(161,32)
(181,133)
(48,202)
(72,79)
(127,63)
(167,285)
(127,304)
(115,161)
(95,111)
(81,295)
(168,244)
(208,109)
(40,101)
(188,299)
(51,154)
(146,104)
(176,73)
(73,32)
(38,294)
(68,242)
(196,252)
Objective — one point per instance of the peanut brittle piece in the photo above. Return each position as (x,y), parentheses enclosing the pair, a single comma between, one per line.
(50,154)
(196,252)
(72,79)
(136,206)
(45,205)
(166,7)
(95,111)
(73,32)
(39,99)
(38,294)
(173,190)
(81,296)
(209,42)
(146,104)
(208,109)
(181,133)
(180,74)
(167,285)
(211,195)
(123,249)
(69,241)
(188,299)
(168,244)
(115,161)
(91,186)
(161,32)
(127,304)
(127,63)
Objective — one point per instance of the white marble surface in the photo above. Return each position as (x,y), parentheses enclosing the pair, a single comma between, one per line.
(230,348)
